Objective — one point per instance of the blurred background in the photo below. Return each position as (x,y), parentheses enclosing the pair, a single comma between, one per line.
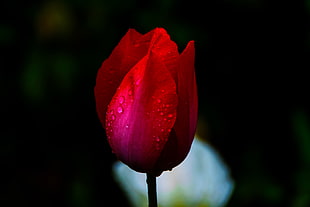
(251,64)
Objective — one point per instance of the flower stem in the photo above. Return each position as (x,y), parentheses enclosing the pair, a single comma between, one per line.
(151,189)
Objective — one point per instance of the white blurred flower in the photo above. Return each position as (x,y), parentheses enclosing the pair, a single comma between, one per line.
(202,179)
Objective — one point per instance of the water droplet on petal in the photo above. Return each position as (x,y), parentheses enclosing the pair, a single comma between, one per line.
(130,92)
(121,99)
(157,143)
(162,90)
(170,115)
(120,109)
(138,82)
(161,113)
(127,126)
(158,100)
(113,117)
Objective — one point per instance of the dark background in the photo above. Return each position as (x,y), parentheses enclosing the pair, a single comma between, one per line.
(251,64)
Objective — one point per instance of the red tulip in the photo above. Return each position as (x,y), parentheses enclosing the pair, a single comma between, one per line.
(146,99)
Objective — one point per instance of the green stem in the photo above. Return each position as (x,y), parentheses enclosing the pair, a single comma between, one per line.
(151,189)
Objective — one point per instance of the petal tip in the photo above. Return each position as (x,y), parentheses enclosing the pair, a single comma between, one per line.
(189,47)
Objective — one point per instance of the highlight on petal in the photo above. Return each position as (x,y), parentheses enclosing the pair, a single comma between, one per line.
(203,179)
(141,114)
(131,49)
(113,70)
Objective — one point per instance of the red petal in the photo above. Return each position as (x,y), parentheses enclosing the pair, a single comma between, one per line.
(142,113)
(187,111)
(132,47)
(182,134)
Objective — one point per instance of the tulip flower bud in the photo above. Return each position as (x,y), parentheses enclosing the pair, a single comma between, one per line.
(146,99)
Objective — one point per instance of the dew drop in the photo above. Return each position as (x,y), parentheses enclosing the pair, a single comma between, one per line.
(109,137)
(161,113)
(120,109)
(138,82)
(157,142)
(127,126)
(162,90)
(162,130)
(130,92)
(121,99)
(113,117)
(170,115)
(158,100)
(157,145)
